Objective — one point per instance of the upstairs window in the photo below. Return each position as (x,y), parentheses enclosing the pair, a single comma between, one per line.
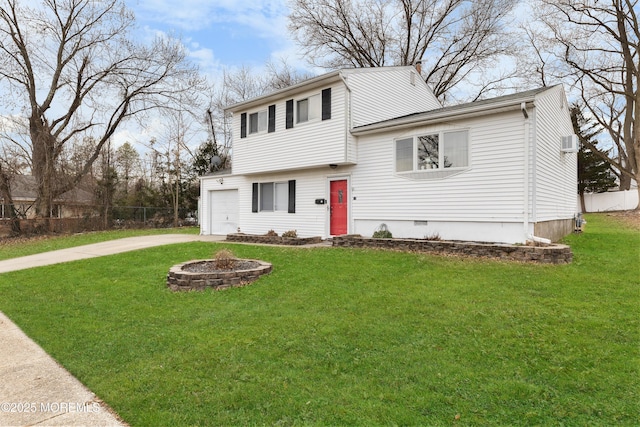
(433,151)
(258,122)
(308,109)
(315,107)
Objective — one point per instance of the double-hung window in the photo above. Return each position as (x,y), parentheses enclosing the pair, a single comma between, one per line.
(432,151)
(308,109)
(274,197)
(258,122)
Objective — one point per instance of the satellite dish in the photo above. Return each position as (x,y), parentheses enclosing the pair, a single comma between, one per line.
(215,162)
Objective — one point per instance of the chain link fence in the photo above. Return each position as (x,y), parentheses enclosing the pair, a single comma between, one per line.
(77,219)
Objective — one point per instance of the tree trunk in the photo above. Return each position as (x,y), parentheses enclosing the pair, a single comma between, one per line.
(625,182)
(5,192)
(582,207)
(43,161)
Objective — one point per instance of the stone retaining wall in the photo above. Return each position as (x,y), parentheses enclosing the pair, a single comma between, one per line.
(272,240)
(180,280)
(551,254)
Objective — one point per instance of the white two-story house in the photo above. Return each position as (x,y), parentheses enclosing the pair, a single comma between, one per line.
(355,150)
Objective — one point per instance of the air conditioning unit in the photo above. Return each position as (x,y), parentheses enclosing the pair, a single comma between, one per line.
(570,144)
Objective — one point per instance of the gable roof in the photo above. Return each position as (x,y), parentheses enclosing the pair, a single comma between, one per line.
(469,109)
(23,188)
(308,84)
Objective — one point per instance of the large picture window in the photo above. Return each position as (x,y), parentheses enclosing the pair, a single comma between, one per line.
(432,151)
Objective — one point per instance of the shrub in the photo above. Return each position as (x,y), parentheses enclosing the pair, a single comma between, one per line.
(290,234)
(433,236)
(382,234)
(271,233)
(224,259)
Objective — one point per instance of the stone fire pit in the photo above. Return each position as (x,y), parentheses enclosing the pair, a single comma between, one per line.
(199,275)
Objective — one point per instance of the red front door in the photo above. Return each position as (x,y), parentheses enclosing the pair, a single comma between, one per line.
(338,202)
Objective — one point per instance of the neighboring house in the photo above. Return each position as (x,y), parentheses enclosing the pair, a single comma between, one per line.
(355,150)
(74,203)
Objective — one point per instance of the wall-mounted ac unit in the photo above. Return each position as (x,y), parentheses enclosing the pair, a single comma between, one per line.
(570,144)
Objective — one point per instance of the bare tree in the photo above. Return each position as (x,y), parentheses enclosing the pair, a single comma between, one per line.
(74,71)
(594,47)
(281,75)
(180,128)
(452,38)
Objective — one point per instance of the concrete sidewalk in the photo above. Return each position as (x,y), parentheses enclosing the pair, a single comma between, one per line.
(34,389)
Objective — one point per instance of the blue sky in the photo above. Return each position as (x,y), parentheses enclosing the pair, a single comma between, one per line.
(222,33)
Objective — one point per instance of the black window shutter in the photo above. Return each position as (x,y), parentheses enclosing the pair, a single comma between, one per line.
(289,123)
(326,104)
(254,197)
(272,118)
(243,125)
(292,196)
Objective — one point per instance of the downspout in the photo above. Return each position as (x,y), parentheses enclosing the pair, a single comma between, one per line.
(527,137)
(523,108)
(347,119)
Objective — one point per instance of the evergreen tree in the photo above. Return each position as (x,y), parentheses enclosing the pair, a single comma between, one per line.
(202,159)
(594,172)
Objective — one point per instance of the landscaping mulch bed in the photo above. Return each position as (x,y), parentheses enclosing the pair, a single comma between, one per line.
(210,266)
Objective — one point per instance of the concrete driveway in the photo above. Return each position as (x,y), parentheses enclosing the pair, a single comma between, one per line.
(100,249)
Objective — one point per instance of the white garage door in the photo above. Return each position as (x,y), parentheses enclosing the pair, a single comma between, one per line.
(223,210)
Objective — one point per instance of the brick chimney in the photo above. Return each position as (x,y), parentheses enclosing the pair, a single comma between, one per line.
(419,67)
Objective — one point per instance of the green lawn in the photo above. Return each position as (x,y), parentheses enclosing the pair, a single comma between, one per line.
(350,337)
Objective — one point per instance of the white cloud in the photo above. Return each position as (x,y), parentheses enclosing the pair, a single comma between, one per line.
(264,16)
(215,29)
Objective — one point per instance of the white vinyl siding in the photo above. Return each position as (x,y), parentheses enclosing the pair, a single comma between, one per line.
(555,173)
(372,95)
(489,190)
(386,93)
(310,219)
(481,195)
(313,144)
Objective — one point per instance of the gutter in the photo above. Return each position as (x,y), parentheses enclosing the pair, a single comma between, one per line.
(525,216)
(435,116)
(278,94)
